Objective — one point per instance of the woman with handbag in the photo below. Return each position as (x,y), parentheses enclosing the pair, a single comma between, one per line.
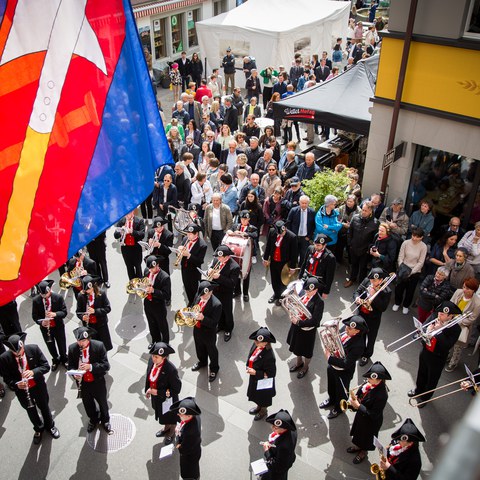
(410,262)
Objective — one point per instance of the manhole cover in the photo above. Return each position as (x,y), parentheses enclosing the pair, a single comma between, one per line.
(123,433)
(131,327)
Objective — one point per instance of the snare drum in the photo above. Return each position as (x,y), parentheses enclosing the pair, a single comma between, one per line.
(242,248)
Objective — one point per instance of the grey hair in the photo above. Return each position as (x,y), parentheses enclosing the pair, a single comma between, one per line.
(444,271)
(330,199)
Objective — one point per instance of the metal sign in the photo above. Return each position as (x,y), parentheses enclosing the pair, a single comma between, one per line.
(393,155)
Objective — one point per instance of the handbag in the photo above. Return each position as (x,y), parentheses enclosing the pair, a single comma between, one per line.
(403,272)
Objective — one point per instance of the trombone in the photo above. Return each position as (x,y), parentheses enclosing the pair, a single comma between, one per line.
(417,404)
(421,333)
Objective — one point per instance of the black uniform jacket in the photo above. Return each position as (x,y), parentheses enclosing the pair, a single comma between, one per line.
(325,270)
(315,306)
(58,306)
(101,305)
(190,438)
(288,247)
(353,351)
(197,255)
(211,313)
(88,265)
(162,287)
(228,276)
(251,230)
(281,458)
(36,362)
(441,344)
(98,358)
(407,466)
(165,240)
(380,302)
(265,367)
(138,229)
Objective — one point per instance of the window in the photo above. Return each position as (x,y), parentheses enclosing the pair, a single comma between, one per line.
(159,37)
(144,33)
(176,22)
(192,19)
(472,27)
(220,6)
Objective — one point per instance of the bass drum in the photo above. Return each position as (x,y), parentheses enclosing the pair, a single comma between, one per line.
(242,247)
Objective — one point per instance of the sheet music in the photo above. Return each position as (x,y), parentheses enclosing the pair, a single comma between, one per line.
(75,372)
(379,446)
(259,467)
(265,384)
(166,451)
(166,405)
(417,324)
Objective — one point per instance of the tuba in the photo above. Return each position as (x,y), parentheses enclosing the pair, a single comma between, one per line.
(71,279)
(138,286)
(292,304)
(187,316)
(330,338)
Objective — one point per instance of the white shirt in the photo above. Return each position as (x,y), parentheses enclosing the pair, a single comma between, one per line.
(201,193)
(231,161)
(216,222)
(302,229)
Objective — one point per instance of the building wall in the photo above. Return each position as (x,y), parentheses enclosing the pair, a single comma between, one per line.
(415,129)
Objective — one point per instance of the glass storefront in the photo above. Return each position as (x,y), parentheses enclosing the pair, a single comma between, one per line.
(192,19)
(450,181)
(176,23)
(160,37)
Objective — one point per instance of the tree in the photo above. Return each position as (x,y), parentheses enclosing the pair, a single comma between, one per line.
(324,183)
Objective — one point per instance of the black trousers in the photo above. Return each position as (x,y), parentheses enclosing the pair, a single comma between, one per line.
(373,326)
(216,238)
(57,334)
(276,277)
(335,388)
(404,291)
(39,396)
(243,285)
(430,368)
(96,391)
(191,278)
(190,466)
(99,256)
(206,347)
(358,266)
(133,260)
(147,208)
(340,246)
(156,313)
(226,299)
(303,245)
(267,95)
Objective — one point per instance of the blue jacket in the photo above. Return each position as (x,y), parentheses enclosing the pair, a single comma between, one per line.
(333,225)
(230,198)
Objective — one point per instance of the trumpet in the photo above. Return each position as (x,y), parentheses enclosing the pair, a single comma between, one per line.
(123,232)
(147,246)
(212,270)
(187,316)
(138,286)
(425,335)
(71,279)
(413,400)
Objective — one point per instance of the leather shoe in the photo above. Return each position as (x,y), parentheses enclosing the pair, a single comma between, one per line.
(333,414)
(278,303)
(245,298)
(108,428)
(262,413)
(254,410)
(272,299)
(168,303)
(54,367)
(411,393)
(91,427)
(363,361)
(236,294)
(348,283)
(2,391)
(212,376)
(325,404)
(353,449)
(161,433)
(54,432)
(295,368)
(227,336)
(197,366)
(37,438)
(302,373)
(359,458)
(107,284)
(168,440)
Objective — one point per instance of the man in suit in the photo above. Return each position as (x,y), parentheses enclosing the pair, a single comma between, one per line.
(328,62)
(322,71)
(9,319)
(23,368)
(281,86)
(205,330)
(97,250)
(48,311)
(91,357)
(184,69)
(193,253)
(296,71)
(301,221)
(158,292)
(341,368)
(190,147)
(229,156)
(218,219)
(194,110)
(231,115)
(183,185)
(226,274)
(281,248)
(215,147)
(164,196)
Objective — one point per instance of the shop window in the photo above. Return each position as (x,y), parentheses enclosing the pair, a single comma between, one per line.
(192,19)
(472,27)
(145,38)
(450,182)
(220,6)
(176,22)
(159,37)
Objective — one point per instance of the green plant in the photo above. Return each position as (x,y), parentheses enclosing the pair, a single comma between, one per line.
(324,183)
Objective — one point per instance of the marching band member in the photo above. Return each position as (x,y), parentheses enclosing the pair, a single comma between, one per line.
(372,311)
(23,368)
(279,450)
(261,364)
(194,212)
(403,460)
(303,332)
(48,311)
(369,402)
(158,292)
(97,249)
(281,247)
(193,254)
(9,319)
(131,230)
(340,370)
(188,437)
(434,353)
(162,383)
(82,265)
(205,330)
(93,307)
(226,279)
(161,239)
(91,357)
(320,262)
(244,228)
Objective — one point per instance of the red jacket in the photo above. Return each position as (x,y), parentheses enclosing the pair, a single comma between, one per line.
(202,91)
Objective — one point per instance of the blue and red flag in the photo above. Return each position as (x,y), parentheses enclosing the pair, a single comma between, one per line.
(80,136)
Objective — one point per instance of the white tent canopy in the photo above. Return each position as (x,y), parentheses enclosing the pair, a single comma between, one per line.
(272,31)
